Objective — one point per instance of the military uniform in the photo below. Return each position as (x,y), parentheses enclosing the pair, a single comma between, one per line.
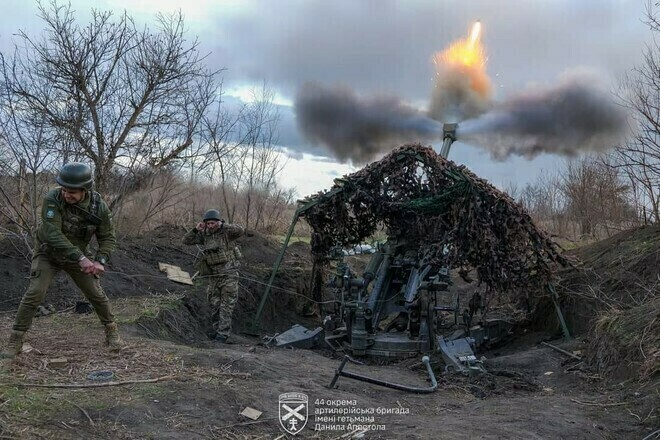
(219,263)
(60,243)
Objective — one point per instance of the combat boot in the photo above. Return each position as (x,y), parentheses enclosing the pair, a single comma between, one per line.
(15,345)
(112,338)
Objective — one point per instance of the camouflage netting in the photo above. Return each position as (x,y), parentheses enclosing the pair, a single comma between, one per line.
(420,196)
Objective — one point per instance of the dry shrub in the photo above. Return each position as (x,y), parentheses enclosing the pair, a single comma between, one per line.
(614,297)
(169,199)
(626,343)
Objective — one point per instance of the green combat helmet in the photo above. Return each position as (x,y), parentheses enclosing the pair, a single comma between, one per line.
(212,214)
(75,175)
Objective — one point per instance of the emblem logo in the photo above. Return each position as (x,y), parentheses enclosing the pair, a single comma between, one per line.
(293,412)
(50,213)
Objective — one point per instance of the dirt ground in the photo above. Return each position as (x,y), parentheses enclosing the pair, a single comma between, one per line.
(172,382)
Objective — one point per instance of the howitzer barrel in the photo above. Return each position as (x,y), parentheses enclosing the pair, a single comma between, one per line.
(372,267)
(449,136)
(373,301)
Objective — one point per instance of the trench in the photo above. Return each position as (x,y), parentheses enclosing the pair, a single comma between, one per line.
(188,320)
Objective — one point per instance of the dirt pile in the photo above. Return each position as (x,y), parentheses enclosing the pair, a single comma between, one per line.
(621,271)
(627,342)
(133,272)
(613,296)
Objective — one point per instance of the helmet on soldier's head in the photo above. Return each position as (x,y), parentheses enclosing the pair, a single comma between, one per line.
(75,175)
(212,214)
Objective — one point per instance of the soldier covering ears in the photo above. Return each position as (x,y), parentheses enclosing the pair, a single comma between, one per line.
(219,262)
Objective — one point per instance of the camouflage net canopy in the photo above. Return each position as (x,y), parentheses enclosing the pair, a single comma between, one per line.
(454,217)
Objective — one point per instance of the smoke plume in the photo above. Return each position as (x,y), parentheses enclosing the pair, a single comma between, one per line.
(574,116)
(359,129)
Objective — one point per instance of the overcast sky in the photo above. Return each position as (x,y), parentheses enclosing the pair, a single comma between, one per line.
(385,47)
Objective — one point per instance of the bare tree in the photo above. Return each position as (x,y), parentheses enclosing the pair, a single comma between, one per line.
(640,157)
(244,159)
(130,99)
(544,200)
(596,196)
(164,191)
(586,198)
(278,202)
(225,132)
(263,161)
(27,142)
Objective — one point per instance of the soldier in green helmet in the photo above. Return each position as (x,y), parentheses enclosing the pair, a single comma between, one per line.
(219,263)
(70,216)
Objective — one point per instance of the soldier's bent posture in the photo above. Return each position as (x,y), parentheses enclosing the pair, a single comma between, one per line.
(218,262)
(70,216)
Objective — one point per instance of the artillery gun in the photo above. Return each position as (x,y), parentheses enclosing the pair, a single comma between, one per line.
(400,306)
(437,215)
(404,304)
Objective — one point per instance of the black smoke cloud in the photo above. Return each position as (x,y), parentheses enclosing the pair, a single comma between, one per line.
(575,116)
(359,129)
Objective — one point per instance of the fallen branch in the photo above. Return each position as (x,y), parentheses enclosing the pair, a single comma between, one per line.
(228,364)
(600,404)
(350,434)
(90,385)
(84,412)
(653,434)
(231,373)
(220,428)
(561,350)
(147,331)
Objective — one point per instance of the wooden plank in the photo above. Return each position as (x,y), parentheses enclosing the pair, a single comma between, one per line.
(176,274)
(251,413)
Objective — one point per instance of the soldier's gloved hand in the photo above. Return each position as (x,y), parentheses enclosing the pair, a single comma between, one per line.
(86,266)
(200,226)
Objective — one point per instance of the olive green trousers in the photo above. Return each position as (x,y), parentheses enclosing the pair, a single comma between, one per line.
(222,294)
(42,272)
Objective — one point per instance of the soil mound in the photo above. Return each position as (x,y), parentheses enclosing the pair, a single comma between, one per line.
(618,273)
(613,296)
(621,267)
(133,271)
(627,343)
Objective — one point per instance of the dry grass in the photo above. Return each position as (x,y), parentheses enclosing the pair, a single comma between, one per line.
(629,340)
(28,412)
(80,339)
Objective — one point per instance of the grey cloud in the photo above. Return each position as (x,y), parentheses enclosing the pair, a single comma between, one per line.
(324,159)
(292,154)
(386,46)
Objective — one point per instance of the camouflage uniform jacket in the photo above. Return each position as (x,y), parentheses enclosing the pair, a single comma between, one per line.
(215,245)
(66,230)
